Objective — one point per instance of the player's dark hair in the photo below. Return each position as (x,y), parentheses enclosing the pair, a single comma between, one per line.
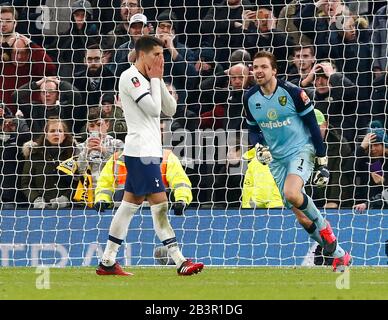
(269,55)
(146,44)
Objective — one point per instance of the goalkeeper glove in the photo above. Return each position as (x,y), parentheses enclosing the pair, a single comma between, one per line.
(179,208)
(101,206)
(263,154)
(321,178)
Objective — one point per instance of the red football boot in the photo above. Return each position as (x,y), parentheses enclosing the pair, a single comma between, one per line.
(114,270)
(339,264)
(188,268)
(329,239)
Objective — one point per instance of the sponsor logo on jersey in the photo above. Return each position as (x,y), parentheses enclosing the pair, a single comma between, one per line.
(304,97)
(275,124)
(135,82)
(272,114)
(282,100)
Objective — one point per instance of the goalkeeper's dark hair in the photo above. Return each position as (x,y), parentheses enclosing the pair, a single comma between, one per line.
(146,44)
(268,55)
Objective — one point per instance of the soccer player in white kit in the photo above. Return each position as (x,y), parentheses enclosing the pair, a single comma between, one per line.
(144,95)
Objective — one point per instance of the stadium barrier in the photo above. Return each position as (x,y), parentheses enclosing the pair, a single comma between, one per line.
(215,237)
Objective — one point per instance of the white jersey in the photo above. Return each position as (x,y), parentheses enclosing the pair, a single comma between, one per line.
(143,138)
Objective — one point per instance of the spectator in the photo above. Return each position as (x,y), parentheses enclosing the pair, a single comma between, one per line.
(350,48)
(186,115)
(227,110)
(29,62)
(380,40)
(110,184)
(339,192)
(315,21)
(57,99)
(379,99)
(92,82)
(92,157)
(41,182)
(112,112)
(14,133)
(372,169)
(302,63)
(8,20)
(69,48)
(126,53)
(210,75)
(335,96)
(178,60)
(240,56)
(260,33)
(128,8)
(259,188)
(221,28)
(286,23)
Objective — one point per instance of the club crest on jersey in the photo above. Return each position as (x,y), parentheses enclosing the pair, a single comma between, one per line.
(282,100)
(304,97)
(135,82)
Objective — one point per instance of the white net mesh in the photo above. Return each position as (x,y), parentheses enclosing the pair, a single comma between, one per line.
(63,59)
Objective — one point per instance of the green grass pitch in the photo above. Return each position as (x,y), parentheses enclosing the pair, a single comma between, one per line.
(220,283)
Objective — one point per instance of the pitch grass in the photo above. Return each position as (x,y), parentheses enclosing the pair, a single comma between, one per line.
(219,283)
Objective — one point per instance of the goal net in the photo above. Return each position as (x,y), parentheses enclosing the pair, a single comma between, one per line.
(63,129)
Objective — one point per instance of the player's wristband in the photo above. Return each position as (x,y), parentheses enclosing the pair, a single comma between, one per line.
(322,161)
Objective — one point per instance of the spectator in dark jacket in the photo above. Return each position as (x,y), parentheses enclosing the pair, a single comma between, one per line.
(372,169)
(303,61)
(128,8)
(380,40)
(336,96)
(57,99)
(91,82)
(379,99)
(261,34)
(14,132)
(69,48)
(315,20)
(227,110)
(41,182)
(339,192)
(125,53)
(221,28)
(350,48)
(210,74)
(178,60)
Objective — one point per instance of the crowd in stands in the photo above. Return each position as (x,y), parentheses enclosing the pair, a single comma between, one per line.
(62,128)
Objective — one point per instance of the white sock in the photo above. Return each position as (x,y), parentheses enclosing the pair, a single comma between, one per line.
(165,232)
(118,231)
